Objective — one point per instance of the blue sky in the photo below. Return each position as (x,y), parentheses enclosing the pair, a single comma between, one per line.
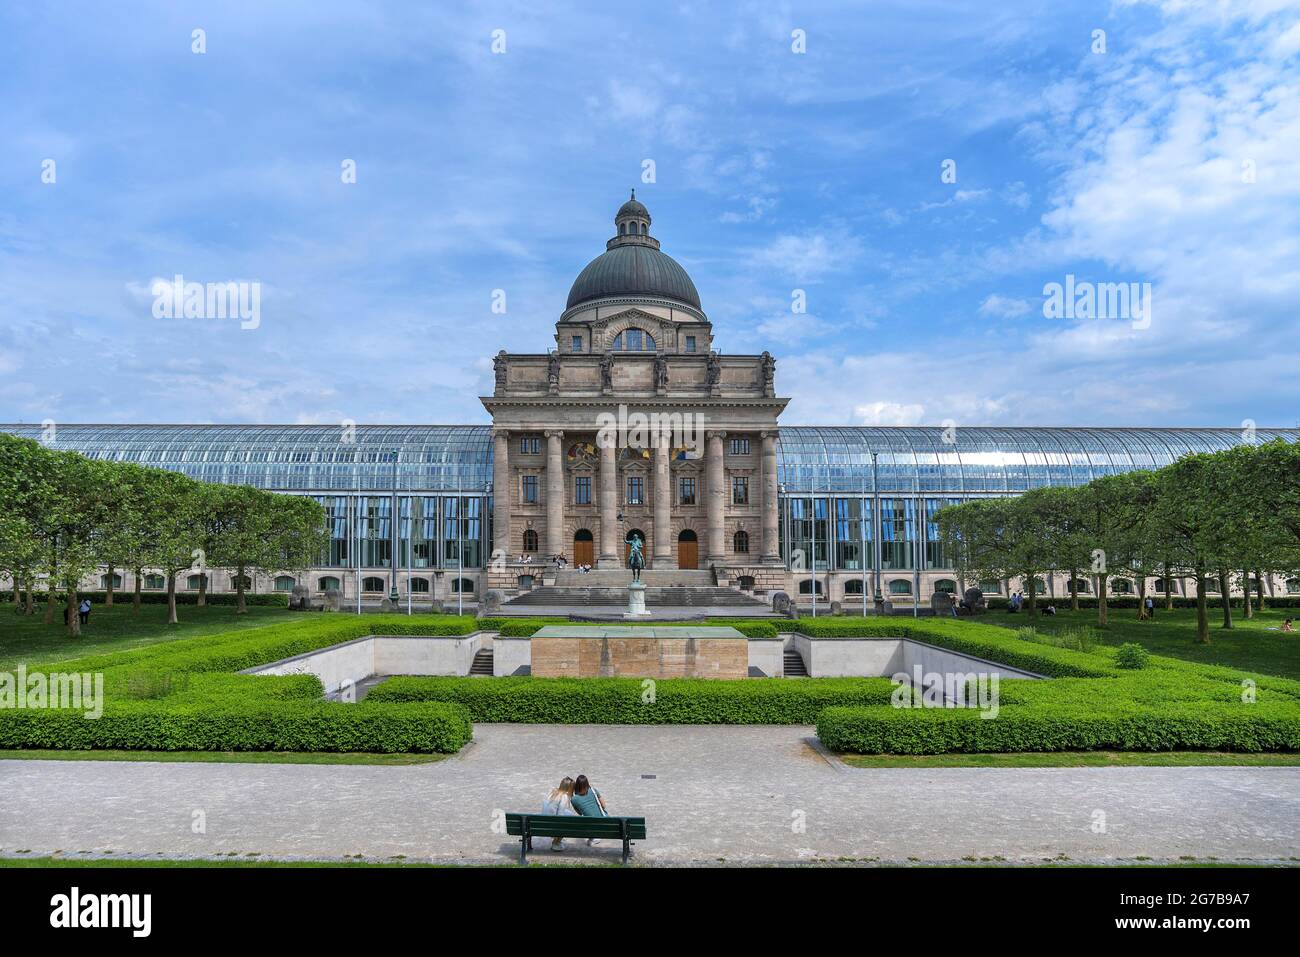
(1173,158)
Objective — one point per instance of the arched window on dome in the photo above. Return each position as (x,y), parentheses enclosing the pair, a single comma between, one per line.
(622,229)
(634,340)
(645,229)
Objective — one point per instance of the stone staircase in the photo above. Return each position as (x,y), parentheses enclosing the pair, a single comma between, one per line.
(482,663)
(679,596)
(621,577)
(794,666)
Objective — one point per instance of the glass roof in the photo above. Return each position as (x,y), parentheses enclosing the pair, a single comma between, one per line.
(295,457)
(445,458)
(981,459)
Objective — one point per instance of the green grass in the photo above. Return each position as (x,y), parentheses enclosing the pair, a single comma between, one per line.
(1072,759)
(225,757)
(26,639)
(1249,645)
(108,862)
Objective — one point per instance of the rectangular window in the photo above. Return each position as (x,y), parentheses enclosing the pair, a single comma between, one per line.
(635,490)
(530,445)
(582,490)
(739,490)
(690,343)
(577,343)
(530,489)
(686,491)
(740,446)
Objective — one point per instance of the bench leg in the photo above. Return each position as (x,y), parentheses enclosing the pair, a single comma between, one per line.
(523,850)
(626,849)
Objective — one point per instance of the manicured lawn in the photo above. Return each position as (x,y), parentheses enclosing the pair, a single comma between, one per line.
(26,639)
(1249,645)
(233,861)
(1071,759)
(224,757)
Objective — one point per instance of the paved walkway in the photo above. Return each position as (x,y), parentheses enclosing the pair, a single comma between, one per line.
(709,794)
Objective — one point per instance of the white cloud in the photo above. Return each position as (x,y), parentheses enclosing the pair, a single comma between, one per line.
(889,413)
(1004,307)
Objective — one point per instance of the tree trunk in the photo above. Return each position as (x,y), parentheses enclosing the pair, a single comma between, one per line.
(240,607)
(1227,601)
(49,600)
(74,620)
(1074,589)
(1033,595)
(1102,610)
(108,588)
(135,599)
(1169,595)
(1142,596)
(1259,577)
(1247,605)
(171,599)
(1202,613)
(203,588)
(31,597)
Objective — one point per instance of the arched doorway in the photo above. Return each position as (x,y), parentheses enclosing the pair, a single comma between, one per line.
(627,549)
(584,549)
(688,550)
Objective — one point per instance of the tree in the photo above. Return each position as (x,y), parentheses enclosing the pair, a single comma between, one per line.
(253,530)
(1001,537)
(176,523)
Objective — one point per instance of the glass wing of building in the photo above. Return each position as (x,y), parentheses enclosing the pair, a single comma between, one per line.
(851,498)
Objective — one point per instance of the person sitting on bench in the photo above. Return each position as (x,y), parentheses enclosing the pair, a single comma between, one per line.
(587,801)
(560,802)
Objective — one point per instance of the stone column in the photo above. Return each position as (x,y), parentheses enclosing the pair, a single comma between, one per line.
(555,496)
(501,493)
(771,502)
(609,550)
(663,550)
(716,505)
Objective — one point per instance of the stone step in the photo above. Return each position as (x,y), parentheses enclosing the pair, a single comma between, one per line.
(621,577)
(678,596)
(482,663)
(794,666)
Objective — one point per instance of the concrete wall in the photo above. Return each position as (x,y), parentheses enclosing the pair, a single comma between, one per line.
(406,655)
(380,655)
(768,656)
(886,657)
(509,655)
(348,662)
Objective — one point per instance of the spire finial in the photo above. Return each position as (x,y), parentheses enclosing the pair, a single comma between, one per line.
(634,192)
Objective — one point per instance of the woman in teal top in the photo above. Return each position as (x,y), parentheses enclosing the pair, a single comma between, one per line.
(587,800)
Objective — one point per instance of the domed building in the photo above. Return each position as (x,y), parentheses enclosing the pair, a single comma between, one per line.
(635,426)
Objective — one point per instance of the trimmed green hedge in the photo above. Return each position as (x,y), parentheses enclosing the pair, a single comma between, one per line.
(639,701)
(1130,602)
(981,641)
(244,725)
(1058,727)
(183,695)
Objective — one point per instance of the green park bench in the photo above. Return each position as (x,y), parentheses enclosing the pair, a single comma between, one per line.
(528,826)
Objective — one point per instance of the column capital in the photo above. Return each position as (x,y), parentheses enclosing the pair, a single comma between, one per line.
(769,434)
(719,434)
(554,433)
(500,433)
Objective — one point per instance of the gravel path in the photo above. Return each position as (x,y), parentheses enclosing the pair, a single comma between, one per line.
(709,794)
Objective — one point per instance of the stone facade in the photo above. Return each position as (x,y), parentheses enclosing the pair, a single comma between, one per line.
(635,425)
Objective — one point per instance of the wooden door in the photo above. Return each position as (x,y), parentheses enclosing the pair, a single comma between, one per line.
(688,551)
(583,548)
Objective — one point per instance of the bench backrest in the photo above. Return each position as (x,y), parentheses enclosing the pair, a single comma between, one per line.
(553,825)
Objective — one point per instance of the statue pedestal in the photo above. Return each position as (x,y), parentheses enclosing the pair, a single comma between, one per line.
(636,601)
